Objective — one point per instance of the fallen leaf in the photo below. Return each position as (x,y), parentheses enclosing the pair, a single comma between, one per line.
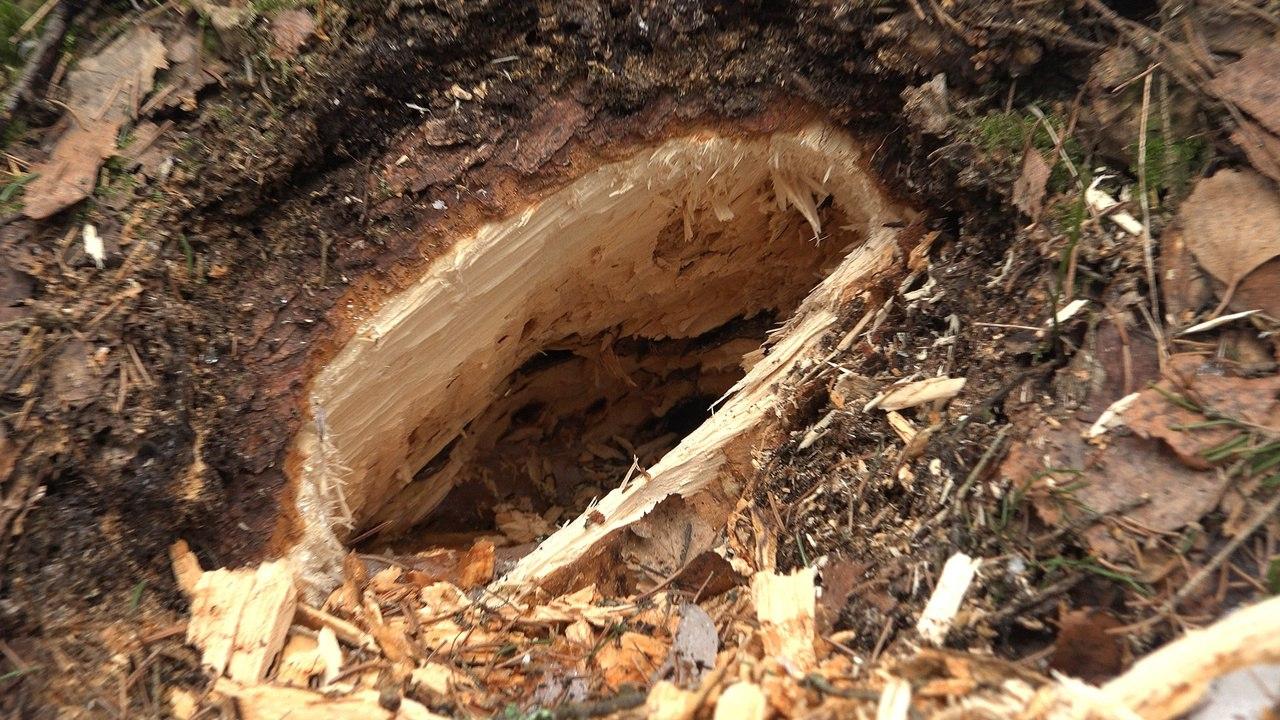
(1059,473)
(1153,415)
(694,648)
(290,30)
(1261,147)
(1232,225)
(839,578)
(103,92)
(520,526)
(1258,290)
(1085,649)
(1029,188)
(1253,85)
(631,659)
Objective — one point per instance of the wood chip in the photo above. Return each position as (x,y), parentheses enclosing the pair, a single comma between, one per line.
(917,393)
(785,606)
(239,618)
(940,612)
(742,701)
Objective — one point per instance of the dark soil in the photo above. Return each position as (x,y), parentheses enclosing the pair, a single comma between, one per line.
(287,197)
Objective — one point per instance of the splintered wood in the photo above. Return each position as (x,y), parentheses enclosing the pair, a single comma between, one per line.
(785,608)
(239,618)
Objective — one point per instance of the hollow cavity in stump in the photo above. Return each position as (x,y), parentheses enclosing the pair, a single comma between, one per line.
(540,357)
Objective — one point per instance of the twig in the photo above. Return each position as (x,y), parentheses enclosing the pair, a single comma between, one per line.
(1148,245)
(1227,550)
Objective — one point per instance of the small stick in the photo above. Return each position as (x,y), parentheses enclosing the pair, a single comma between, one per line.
(1144,201)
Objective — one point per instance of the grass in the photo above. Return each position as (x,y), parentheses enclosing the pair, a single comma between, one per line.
(11,193)
(1092,566)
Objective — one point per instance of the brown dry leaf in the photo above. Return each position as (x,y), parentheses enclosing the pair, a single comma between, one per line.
(290,30)
(1231,223)
(103,94)
(1253,84)
(1106,480)
(1029,189)
(1261,147)
(1250,400)
(1085,649)
(632,659)
(1258,290)
(190,71)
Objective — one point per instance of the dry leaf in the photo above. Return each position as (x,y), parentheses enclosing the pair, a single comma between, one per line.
(1231,222)
(1085,649)
(520,526)
(632,659)
(1253,85)
(1261,147)
(918,393)
(694,648)
(1029,189)
(290,30)
(103,94)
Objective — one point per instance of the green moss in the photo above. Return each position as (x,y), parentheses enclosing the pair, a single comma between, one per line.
(1003,135)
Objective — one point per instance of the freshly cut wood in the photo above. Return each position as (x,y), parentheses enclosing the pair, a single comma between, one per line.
(1172,680)
(270,702)
(239,618)
(917,393)
(742,701)
(785,607)
(701,230)
(944,603)
(343,630)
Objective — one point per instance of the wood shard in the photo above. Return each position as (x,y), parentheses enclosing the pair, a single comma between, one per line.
(742,701)
(918,393)
(239,618)
(940,612)
(269,702)
(785,606)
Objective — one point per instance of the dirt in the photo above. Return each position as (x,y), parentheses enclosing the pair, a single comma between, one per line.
(156,398)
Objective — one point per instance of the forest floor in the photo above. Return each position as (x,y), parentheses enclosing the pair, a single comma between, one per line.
(1043,447)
